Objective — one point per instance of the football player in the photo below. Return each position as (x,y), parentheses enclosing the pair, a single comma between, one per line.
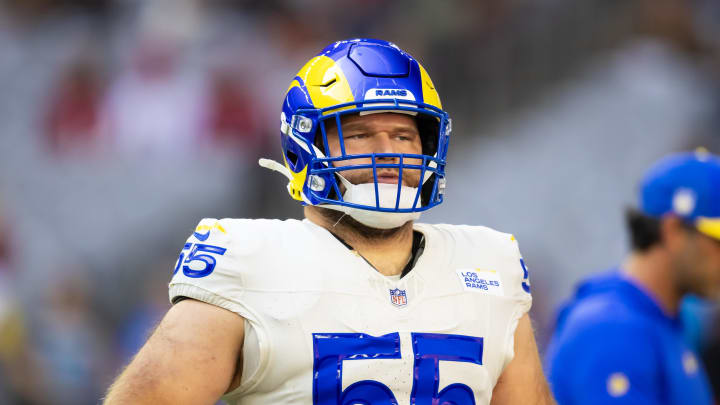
(356,304)
(619,339)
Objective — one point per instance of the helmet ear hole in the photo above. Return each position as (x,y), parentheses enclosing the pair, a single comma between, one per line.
(325,125)
(426,190)
(429,129)
(291,157)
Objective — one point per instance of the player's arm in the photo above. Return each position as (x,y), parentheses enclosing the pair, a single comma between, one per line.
(522,381)
(191,358)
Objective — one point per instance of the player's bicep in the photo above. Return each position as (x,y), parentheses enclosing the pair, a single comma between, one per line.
(523,381)
(191,358)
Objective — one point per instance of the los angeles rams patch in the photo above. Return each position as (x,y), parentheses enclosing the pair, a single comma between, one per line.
(479,280)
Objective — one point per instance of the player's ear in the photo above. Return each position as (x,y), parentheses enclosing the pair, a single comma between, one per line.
(673,232)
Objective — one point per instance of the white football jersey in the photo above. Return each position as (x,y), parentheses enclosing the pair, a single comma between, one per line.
(324,327)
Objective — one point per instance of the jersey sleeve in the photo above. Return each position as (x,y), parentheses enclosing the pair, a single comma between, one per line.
(517,288)
(498,267)
(518,277)
(210,265)
(606,363)
(500,254)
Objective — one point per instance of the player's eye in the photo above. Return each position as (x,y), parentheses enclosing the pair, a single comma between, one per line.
(358,135)
(406,136)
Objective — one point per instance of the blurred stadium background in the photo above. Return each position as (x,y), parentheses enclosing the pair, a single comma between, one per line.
(123,122)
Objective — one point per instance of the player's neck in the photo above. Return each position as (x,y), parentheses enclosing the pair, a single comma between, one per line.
(652,271)
(388,251)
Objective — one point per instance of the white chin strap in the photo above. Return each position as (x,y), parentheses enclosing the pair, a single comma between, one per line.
(364,194)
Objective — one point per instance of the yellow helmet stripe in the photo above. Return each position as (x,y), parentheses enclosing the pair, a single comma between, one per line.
(430,95)
(325,83)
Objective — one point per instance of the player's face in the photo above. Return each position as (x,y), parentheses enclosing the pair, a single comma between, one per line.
(700,265)
(377,133)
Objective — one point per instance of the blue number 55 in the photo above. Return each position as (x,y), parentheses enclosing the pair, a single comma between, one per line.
(331,349)
(195,254)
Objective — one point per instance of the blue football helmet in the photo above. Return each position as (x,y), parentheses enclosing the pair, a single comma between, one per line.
(360,76)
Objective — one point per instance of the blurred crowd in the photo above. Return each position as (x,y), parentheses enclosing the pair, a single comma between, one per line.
(126,121)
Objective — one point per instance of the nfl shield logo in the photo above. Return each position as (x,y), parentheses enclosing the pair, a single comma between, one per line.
(398,297)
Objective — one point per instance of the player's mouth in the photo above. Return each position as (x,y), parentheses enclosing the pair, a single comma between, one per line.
(390,179)
(389,176)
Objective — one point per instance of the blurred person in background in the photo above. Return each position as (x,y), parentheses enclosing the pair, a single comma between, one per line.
(147,310)
(233,119)
(271,312)
(19,377)
(71,344)
(72,117)
(619,339)
(157,105)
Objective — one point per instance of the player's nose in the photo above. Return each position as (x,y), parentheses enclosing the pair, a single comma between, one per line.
(384,144)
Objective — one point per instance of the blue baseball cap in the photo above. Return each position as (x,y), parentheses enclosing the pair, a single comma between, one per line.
(686,185)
